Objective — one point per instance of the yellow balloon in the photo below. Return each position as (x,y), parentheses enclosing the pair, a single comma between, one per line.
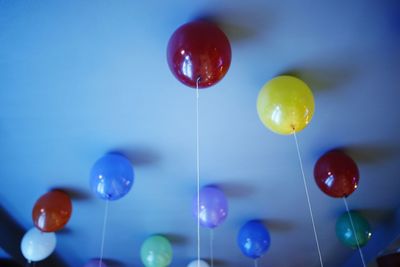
(285,105)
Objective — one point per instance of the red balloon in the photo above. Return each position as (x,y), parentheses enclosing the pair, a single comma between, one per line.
(52,211)
(336,174)
(199,50)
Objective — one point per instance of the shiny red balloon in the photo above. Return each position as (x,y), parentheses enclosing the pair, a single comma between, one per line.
(52,211)
(199,50)
(336,174)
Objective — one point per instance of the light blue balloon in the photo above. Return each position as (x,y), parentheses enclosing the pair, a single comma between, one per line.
(254,239)
(111,177)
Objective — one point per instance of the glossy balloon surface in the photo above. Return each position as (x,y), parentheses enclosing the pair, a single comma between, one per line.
(285,105)
(254,239)
(52,211)
(213,206)
(112,177)
(336,174)
(346,234)
(156,251)
(200,263)
(199,50)
(36,245)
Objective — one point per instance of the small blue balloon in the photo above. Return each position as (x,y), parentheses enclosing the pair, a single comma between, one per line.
(254,239)
(111,177)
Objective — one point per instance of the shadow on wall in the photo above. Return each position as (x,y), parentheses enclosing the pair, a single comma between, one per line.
(176,239)
(378,215)
(236,190)
(139,156)
(240,25)
(372,153)
(278,225)
(373,215)
(76,194)
(323,78)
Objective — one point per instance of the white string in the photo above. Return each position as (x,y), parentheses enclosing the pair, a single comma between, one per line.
(256,263)
(308,197)
(212,247)
(198,171)
(103,234)
(354,231)
(104,30)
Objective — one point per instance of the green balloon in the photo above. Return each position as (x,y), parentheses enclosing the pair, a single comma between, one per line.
(156,251)
(345,233)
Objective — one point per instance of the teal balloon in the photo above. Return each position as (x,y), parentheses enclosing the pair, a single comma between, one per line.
(156,251)
(346,234)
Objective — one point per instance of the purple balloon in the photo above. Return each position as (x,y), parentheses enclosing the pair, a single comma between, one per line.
(213,207)
(95,263)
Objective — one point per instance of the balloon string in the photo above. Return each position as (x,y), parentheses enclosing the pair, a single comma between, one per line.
(103,234)
(256,263)
(212,247)
(198,171)
(354,231)
(308,197)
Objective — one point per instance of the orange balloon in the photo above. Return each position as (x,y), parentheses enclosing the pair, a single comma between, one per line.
(52,211)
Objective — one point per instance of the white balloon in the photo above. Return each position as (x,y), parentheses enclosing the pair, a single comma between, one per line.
(201,264)
(37,246)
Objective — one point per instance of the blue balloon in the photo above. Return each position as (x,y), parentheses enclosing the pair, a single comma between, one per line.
(254,239)
(111,177)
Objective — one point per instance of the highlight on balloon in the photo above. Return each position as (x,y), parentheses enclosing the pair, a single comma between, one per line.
(199,53)
(285,105)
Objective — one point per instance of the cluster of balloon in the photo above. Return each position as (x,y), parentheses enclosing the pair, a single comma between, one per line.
(213,208)
(199,53)
(95,263)
(285,105)
(336,174)
(50,213)
(111,176)
(156,251)
(254,239)
(353,230)
(37,245)
(199,263)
